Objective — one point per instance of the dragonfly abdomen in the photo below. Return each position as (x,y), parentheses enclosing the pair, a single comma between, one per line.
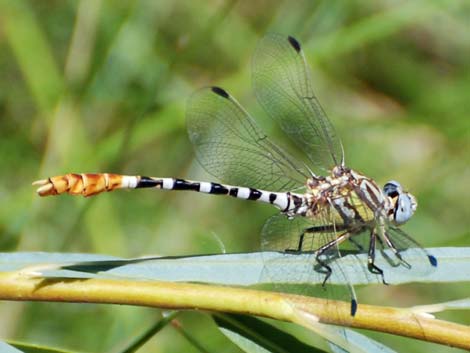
(87,184)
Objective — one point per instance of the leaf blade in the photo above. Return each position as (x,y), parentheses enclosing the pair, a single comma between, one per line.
(228,269)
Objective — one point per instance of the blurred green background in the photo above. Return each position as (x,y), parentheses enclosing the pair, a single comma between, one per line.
(101,86)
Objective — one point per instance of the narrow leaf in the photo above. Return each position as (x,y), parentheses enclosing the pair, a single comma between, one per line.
(232,269)
(462,304)
(254,335)
(33,53)
(31,348)
(148,334)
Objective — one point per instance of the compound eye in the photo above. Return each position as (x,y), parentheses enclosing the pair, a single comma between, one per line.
(392,188)
(404,208)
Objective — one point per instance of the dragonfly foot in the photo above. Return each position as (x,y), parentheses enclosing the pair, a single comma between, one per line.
(376,271)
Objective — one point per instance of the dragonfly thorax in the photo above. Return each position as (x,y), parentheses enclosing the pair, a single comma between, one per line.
(347,195)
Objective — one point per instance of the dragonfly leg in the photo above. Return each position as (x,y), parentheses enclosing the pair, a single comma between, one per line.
(371,266)
(396,252)
(323,249)
(391,261)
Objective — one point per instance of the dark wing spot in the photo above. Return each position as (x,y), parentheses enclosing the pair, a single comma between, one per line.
(221,92)
(295,44)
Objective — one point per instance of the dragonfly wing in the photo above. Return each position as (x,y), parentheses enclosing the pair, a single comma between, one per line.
(415,257)
(301,273)
(283,86)
(230,146)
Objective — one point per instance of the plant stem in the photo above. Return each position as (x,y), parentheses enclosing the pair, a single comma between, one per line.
(302,310)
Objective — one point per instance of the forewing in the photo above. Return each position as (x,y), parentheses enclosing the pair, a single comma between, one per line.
(283,86)
(420,261)
(230,146)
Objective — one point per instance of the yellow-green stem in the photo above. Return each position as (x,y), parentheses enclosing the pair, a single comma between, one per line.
(21,286)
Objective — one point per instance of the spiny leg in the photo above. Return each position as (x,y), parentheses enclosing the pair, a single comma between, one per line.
(389,259)
(320,251)
(371,266)
(384,254)
(396,252)
(329,271)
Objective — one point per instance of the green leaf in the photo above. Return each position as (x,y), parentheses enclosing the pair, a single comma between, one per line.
(232,269)
(341,339)
(148,334)
(255,336)
(33,53)
(358,342)
(30,348)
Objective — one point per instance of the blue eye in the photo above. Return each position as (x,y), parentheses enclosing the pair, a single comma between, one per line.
(404,208)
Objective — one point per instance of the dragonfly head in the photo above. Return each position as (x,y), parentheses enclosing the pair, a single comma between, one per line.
(404,204)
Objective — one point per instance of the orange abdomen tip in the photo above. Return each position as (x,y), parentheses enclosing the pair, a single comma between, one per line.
(78,184)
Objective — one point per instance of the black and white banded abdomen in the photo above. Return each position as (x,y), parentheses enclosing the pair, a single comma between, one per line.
(87,184)
(281,200)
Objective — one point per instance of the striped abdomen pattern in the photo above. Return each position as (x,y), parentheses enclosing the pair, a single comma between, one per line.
(87,184)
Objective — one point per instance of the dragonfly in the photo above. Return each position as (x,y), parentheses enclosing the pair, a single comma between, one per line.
(321,202)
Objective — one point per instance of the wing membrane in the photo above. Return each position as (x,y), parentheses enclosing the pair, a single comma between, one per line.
(421,262)
(301,273)
(281,233)
(282,84)
(230,146)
